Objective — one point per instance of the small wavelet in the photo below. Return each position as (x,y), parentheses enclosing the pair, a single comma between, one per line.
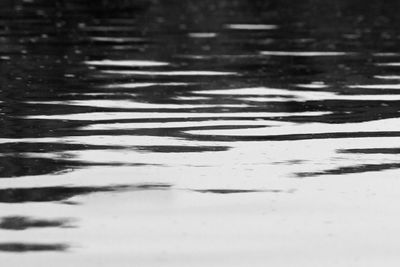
(243,91)
(315,85)
(126,104)
(322,96)
(108,28)
(99,116)
(387,77)
(126,63)
(304,53)
(191,98)
(140,85)
(388,64)
(375,86)
(117,39)
(181,124)
(388,125)
(265,94)
(385,54)
(90,94)
(171,73)
(202,35)
(264,99)
(251,27)
(274,94)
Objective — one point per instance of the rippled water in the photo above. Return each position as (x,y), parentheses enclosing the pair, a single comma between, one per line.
(199,133)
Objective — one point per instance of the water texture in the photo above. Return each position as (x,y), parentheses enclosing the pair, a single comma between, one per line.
(199,133)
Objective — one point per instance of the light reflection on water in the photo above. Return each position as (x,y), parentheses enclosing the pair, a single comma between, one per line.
(239,132)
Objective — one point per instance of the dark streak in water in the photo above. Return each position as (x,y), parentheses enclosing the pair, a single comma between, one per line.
(24,147)
(371,151)
(182,149)
(62,193)
(150,186)
(18,166)
(289,137)
(32,247)
(352,169)
(236,191)
(23,223)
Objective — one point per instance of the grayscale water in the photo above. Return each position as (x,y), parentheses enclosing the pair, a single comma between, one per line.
(199,133)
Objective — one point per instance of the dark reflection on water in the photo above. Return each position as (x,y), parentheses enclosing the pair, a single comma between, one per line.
(61,193)
(23,147)
(31,247)
(372,151)
(182,149)
(169,83)
(235,191)
(22,223)
(352,169)
(24,165)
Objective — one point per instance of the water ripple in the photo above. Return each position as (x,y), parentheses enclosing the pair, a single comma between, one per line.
(167,126)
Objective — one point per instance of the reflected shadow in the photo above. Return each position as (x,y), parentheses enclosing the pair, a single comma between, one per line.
(236,191)
(22,165)
(371,151)
(23,223)
(361,168)
(41,147)
(352,169)
(32,247)
(182,149)
(62,193)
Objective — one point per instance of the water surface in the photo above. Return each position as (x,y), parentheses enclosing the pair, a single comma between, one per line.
(199,133)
